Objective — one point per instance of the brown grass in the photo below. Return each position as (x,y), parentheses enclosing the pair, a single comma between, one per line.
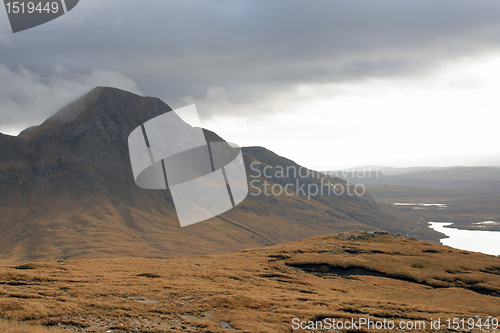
(11,327)
(255,290)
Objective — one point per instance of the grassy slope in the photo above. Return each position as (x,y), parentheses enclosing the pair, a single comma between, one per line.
(12,327)
(258,290)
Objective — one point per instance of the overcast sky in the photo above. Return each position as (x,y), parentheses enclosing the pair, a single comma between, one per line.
(329,84)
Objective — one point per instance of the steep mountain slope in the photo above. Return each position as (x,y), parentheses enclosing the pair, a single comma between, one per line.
(67,191)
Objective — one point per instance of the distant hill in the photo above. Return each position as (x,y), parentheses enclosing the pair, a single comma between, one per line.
(474,179)
(67,191)
(27,130)
(386,170)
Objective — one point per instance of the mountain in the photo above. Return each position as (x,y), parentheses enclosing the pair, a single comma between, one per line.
(67,191)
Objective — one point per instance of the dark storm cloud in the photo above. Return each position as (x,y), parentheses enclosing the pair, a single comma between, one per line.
(251,49)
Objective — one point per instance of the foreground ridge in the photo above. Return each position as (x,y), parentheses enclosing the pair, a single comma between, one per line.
(349,276)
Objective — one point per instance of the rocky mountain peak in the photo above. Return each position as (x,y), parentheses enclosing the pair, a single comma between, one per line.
(105,113)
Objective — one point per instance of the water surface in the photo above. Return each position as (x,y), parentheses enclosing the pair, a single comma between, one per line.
(470,240)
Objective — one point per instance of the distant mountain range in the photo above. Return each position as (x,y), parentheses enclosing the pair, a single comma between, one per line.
(67,191)
(473,179)
(386,170)
(393,171)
